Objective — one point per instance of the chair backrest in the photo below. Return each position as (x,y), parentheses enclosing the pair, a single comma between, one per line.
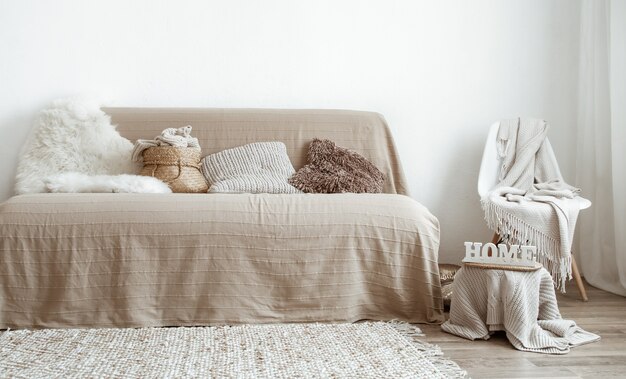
(490,164)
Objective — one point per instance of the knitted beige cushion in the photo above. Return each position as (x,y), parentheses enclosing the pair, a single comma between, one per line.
(260,167)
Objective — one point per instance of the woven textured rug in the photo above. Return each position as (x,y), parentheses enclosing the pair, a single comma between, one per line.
(361,350)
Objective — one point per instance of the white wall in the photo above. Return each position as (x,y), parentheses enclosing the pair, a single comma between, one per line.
(440,71)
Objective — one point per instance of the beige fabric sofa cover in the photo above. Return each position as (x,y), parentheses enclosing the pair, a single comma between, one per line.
(130,260)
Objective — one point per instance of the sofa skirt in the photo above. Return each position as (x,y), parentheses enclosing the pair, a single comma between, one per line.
(137,260)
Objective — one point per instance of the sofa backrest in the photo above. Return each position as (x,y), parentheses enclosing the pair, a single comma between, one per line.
(217,129)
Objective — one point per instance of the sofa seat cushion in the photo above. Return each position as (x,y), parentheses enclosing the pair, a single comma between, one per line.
(70,260)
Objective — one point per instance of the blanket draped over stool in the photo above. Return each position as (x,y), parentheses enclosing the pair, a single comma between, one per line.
(532,204)
(521,303)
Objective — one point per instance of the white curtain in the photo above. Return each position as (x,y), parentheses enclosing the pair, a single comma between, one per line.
(601,135)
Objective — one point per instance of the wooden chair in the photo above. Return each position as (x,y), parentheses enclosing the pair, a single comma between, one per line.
(488,178)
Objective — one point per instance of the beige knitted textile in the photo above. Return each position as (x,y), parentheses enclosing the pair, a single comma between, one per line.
(364,350)
(521,303)
(260,167)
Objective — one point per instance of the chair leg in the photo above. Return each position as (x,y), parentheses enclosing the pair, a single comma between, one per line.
(495,239)
(579,281)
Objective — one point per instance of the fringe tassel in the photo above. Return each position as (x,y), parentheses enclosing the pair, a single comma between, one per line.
(447,367)
(513,230)
(4,334)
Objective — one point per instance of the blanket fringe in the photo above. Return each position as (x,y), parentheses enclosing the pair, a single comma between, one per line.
(446,366)
(513,230)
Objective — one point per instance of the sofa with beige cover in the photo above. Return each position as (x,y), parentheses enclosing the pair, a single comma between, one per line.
(131,260)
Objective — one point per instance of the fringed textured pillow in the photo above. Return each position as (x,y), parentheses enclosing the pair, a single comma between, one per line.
(334,169)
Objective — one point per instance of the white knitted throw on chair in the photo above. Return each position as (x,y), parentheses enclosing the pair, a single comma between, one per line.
(532,204)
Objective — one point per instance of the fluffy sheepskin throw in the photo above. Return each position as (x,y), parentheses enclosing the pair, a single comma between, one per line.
(74,182)
(334,169)
(75,136)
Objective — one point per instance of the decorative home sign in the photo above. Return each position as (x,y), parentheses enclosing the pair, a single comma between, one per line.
(515,255)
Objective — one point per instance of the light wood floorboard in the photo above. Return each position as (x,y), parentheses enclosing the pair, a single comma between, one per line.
(604,314)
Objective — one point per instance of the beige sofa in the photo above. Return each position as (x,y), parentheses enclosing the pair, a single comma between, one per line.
(130,260)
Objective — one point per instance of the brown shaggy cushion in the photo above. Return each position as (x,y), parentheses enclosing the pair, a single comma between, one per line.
(334,169)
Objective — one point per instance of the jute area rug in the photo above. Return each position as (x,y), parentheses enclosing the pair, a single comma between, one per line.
(361,350)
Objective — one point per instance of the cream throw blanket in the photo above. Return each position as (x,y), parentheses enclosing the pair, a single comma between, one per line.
(521,303)
(180,137)
(532,205)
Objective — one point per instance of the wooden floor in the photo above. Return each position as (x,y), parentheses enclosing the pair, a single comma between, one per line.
(604,314)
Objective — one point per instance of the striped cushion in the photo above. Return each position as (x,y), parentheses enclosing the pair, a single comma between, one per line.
(260,167)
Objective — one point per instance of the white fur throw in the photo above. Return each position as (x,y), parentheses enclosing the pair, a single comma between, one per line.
(260,167)
(74,182)
(73,136)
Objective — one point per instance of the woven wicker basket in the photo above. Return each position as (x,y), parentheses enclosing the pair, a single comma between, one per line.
(178,167)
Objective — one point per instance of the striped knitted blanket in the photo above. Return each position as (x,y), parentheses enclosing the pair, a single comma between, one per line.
(521,303)
(531,204)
